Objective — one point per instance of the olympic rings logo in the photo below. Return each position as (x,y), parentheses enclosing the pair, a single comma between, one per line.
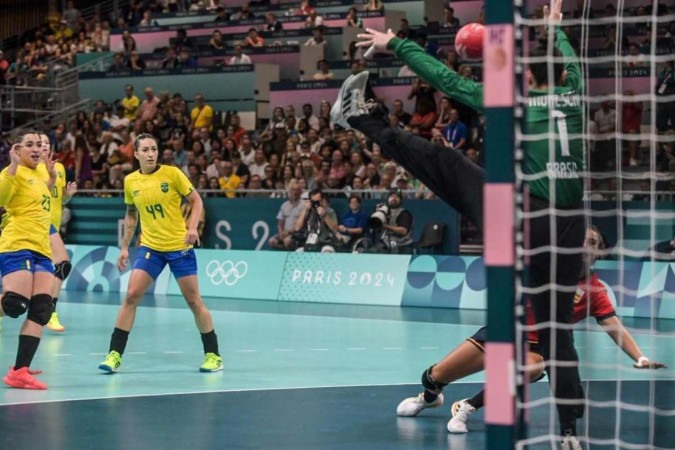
(226,272)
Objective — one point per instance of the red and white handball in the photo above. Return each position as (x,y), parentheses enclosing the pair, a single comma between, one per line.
(469,42)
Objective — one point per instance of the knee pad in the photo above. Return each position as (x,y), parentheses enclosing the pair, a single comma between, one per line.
(41,309)
(62,270)
(14,305)
(430,384)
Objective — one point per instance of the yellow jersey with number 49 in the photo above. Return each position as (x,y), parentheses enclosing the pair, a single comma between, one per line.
(57,190)
(27,201)
(158,196)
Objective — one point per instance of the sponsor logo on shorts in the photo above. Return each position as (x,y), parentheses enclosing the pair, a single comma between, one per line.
(227,272)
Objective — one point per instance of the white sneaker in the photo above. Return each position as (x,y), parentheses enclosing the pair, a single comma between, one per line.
(412,406)
(633,162)
(571,443)
(461,411)
(351,100)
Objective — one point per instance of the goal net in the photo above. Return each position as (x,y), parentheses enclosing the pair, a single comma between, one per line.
(626,53)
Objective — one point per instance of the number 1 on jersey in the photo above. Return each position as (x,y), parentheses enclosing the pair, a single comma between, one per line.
(561,120)
(154,210)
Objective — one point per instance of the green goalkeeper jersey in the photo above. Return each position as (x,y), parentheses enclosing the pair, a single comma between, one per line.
(554,120)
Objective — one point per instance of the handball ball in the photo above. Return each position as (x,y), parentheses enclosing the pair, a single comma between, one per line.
(469,42)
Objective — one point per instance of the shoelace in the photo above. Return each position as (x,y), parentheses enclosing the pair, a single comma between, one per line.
(364,104)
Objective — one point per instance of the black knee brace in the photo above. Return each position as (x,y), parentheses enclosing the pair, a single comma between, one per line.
(62,270)
(14,305)
(41,309)
(430,384)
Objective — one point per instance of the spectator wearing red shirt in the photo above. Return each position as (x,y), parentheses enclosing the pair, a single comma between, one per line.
(631,121)
(238,130)
(304,9)
(424,118)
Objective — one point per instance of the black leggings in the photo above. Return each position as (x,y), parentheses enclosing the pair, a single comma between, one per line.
(446,172)
(459,182)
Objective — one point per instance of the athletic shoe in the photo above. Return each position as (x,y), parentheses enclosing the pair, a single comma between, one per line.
(412,406)
(212,363)
(54,324)
(351,100)
(112,362)
(23,379)
(571,443)
(461,411)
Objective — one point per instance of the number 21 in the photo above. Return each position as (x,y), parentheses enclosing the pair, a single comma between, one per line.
(560,119)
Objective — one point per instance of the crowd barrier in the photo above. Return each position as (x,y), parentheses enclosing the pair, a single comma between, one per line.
(642,289)
(240,223)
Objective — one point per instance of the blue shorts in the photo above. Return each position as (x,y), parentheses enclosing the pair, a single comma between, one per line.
(181,263)
(52,229)
(25,260)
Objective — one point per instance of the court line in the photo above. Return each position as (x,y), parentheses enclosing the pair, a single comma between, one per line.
(292,388)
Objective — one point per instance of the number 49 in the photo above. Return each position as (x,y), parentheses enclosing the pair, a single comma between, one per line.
(154,210)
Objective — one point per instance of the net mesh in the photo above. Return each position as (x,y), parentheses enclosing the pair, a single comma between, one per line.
(626,50)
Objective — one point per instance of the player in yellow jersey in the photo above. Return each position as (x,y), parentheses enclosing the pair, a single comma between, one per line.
(154,194)
(25,254)
(62,192)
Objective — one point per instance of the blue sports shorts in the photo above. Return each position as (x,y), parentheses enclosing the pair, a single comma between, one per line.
(182,263)
(52,230)
(25,260)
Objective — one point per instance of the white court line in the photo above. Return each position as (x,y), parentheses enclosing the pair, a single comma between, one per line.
(392,348)
(292,388)
(355,349)
(283,350)
(428,348)
(63,354)
(97,354)
(173,352)
(318,349)
(137,353)
(245,350)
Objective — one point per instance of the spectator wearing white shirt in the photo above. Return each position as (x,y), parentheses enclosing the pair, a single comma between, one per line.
(239,56)
(605,152)
(257,167)
(317,40)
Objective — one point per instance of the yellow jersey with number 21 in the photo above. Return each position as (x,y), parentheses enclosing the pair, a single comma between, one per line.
(27,201)
(158,196)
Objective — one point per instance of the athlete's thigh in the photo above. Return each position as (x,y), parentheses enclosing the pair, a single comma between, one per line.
(139,282)
(446,172)
(20,281)
(189,287)
(59,252)
(43,283)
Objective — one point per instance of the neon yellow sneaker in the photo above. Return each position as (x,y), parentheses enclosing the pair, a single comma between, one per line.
(112,362)
(54,324)
(212,363)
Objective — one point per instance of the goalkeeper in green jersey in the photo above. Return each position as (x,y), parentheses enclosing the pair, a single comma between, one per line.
(554,116)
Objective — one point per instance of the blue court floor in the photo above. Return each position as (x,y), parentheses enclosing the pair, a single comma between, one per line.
(297,376)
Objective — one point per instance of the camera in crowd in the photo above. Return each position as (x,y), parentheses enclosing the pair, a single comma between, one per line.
(379,217)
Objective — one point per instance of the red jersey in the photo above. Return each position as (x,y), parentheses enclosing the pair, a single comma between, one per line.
(600,306)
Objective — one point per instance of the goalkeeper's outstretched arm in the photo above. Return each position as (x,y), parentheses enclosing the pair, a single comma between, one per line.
(426,67)
(625,341)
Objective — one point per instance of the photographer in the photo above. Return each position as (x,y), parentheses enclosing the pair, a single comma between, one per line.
(392,226)
(316,226)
